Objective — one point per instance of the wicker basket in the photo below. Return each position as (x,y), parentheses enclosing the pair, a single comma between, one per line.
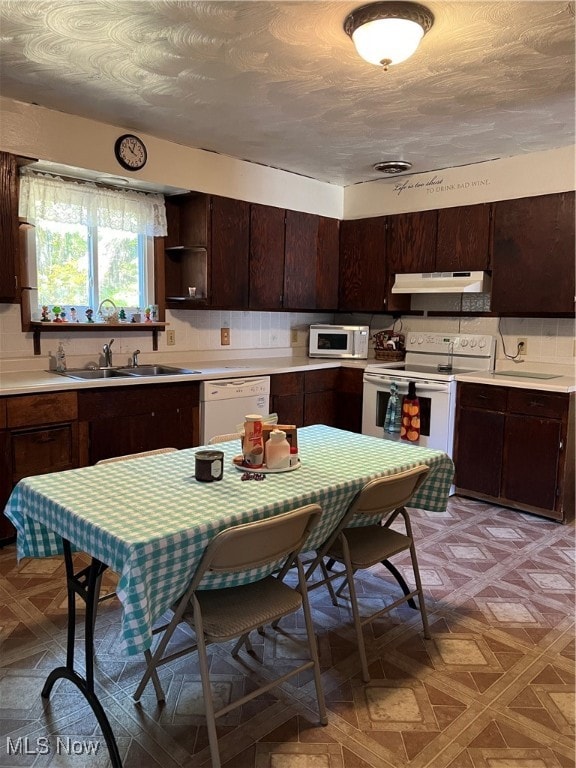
(390,355)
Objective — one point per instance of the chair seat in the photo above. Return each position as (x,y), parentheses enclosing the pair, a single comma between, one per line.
(228,613)
(369,545)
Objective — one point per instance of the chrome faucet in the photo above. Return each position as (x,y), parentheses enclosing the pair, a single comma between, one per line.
(135,358)
(106,349)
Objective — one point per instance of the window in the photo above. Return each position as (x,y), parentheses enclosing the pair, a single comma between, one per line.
(90,244)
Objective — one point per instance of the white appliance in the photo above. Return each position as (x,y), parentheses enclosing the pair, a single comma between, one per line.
(432,362)
(339,341)
(225,402)
(443,282)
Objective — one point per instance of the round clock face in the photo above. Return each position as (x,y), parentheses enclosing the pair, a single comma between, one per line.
(130,152)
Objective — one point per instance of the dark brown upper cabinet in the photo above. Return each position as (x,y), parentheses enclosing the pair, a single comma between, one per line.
(9,236)
(411,245)
(266,256)
(533,257)
(464,238)
(363,270)
(310,262)
(229,251)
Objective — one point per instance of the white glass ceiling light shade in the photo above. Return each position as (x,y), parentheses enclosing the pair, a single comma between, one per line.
(388,32)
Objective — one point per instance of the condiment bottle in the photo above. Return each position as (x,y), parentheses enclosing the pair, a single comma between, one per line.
(277,450)
(294,458)
(253,443)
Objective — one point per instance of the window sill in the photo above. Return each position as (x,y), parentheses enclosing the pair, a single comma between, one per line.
(37,328)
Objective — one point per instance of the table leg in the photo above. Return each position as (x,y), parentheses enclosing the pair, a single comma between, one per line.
(85,583)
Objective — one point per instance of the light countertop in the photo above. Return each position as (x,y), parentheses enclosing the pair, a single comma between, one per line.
(32,382)
(560,382)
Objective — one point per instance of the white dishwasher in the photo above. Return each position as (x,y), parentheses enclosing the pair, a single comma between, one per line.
(225,402)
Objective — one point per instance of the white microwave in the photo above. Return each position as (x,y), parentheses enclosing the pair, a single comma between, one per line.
(347,341)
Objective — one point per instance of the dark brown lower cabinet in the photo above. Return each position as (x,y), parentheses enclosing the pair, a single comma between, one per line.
(121,420)
(40,436)
(516,447)
(331,396)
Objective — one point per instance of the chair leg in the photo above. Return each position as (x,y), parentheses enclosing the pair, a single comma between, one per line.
(328,583)
(312,645)
(206,688)
(421,602)
(356,613)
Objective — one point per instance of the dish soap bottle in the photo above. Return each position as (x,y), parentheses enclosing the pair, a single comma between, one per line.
(277,450)
(60,359)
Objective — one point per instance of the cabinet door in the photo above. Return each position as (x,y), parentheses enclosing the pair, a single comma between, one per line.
(290,409)
(320,408)
(479,450)
(531,456)
(300,258)
(533,258)
(266,256)
(327,263)
(411,245)
(7,530)
(9,239)
(463,240)
(363,272)
(349,394)
(229,253)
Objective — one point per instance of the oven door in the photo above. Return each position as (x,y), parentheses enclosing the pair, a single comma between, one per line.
(436,409)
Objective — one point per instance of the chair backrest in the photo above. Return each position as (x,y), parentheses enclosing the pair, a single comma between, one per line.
(377,497)
(225,438)
(253,545)
(385,494)
(136,455)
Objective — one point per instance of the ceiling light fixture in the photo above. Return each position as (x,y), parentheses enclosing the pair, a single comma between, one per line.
(388,32)
(392,166)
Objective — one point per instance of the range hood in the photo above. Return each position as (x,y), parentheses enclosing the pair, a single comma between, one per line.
(442,282)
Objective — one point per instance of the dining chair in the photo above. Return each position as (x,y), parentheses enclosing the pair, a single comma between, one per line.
(363,546)
(223,614)
(225,438)
(136,455)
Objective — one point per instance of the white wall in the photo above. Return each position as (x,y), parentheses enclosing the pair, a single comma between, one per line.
(538,173)
(44,134)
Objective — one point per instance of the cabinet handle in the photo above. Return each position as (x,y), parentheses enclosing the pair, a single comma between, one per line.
(45,437)
(561,446)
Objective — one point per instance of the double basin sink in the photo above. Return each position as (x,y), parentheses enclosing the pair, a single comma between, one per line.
(87,374)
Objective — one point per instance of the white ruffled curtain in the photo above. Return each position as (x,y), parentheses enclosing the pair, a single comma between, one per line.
(50,198)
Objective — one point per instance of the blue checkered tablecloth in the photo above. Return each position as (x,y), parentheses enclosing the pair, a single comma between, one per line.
(149,519)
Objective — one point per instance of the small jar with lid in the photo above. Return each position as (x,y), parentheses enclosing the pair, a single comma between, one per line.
(277,450)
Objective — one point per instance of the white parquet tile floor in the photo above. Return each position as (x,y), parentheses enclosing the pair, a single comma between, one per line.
(493,688)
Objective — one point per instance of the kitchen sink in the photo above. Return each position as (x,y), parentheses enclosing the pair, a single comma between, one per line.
(87,374)
(99,373)
(158,370)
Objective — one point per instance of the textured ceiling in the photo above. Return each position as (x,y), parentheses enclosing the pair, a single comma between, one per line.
(280,83)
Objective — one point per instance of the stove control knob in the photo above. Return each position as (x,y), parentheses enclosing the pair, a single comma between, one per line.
(464,343)
(412,339)
(482,343)
(420,340)
(473,343)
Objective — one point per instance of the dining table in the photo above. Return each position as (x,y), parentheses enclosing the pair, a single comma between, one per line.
(149,519)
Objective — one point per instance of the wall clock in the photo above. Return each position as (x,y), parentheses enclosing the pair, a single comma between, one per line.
(130,152)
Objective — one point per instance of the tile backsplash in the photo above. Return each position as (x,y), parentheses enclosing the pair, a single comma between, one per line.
(550,341)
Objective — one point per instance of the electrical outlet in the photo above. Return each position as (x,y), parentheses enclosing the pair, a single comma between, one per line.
(170,338)
(522,346)
(294,336)
(224,337)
